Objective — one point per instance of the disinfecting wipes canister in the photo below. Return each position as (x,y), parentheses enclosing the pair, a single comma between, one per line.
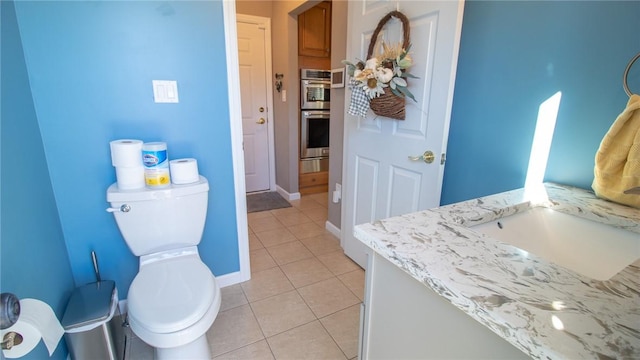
(156,164)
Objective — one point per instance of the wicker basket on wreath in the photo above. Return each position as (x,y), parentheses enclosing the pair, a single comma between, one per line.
(389,104)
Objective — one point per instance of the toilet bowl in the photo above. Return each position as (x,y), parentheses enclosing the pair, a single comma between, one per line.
(174,299)
(190,300)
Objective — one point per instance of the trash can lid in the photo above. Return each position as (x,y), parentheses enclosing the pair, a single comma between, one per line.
(89,304)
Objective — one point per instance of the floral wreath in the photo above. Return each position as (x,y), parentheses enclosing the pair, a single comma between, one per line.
(379,83)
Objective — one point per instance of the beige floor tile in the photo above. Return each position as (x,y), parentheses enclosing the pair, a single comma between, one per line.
(265,223)
(285,211)
(266,283)
(321,198)
(289,252)
(327,296)
(233,329)
(306,202)
(322,244)
(306,230)
(275,237)
(293,218)
(256,351)
(343,327)
(317,214)
(254,242)
(232,297)
(261,260)
(281,313)
(310,341)
(354,281)
(138,349)
(338,262)
(258,215)
(305,272)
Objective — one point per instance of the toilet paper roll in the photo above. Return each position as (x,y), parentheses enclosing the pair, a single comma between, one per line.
(184,171)
(37,321)
(129,178)
(126,153)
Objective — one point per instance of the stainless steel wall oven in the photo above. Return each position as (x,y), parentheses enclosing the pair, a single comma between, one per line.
(314,140)
(315,89)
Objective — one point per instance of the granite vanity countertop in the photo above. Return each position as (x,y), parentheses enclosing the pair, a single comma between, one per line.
(514,294)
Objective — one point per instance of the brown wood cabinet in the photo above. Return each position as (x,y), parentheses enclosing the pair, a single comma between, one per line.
(315,182)
(314,31)
(314,52)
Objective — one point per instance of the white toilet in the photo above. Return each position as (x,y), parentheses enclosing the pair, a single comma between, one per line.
(174,298)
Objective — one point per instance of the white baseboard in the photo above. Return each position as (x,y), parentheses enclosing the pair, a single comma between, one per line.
(231,279)
(334,230)
(222,280)
(287,195)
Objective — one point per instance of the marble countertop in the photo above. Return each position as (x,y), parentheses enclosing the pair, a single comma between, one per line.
(519,296)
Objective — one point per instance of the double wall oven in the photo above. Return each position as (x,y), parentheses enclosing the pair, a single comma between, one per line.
(315,88)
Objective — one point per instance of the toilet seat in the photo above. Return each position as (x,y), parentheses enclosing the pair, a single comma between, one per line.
(171,294)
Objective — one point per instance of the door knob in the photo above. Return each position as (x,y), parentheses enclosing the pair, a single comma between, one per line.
(427,157)
(261,121)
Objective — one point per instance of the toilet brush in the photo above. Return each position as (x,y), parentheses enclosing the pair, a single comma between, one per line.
(94,259)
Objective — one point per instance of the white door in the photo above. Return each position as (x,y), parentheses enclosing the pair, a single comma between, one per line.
(255,91)
(381,181)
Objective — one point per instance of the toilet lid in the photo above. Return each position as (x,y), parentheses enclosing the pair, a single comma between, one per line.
(171,294)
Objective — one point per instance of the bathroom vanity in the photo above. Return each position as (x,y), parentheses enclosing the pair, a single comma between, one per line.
(438,286)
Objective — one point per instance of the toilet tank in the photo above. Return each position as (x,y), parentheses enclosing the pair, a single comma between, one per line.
(160,219)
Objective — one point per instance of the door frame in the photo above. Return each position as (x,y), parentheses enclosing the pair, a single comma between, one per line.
(266,23)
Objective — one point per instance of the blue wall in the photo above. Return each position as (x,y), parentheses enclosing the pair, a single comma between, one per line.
(513,56)
(90,66)
(33,260)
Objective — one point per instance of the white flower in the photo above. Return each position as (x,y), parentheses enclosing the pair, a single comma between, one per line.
(373,88)
(371,64)
(384,75)
(363,75)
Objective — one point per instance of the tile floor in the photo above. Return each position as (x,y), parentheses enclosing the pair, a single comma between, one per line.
(303,299)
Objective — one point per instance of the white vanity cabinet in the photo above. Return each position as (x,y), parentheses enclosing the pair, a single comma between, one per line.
(436,288)
(404,319)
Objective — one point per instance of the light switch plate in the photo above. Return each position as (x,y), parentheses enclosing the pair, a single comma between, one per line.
(165,91)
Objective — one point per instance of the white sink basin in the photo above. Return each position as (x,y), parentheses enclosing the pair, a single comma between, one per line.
(596,250)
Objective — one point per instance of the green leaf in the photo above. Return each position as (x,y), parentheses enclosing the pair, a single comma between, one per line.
(408,75)
(407,93)
(399,81)
(405,52)
(396,92)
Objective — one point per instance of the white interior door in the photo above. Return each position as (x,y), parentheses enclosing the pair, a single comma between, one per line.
(257,128)
(380,179)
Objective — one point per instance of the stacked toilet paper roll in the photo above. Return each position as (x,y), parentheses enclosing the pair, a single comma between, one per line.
(184,171)
(37,321)
(126,157)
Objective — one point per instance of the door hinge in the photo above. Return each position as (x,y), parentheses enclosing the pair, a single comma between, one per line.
(443,158)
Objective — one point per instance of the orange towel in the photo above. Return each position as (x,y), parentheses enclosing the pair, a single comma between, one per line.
(618,158)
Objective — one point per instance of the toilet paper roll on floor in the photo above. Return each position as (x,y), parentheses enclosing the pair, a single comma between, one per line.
(37,321)
(126,153)
(184,171)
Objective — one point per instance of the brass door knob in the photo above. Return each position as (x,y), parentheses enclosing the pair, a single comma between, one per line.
(427,157)
(261,121)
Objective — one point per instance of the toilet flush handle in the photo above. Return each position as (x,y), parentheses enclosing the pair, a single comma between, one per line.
(123,208)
